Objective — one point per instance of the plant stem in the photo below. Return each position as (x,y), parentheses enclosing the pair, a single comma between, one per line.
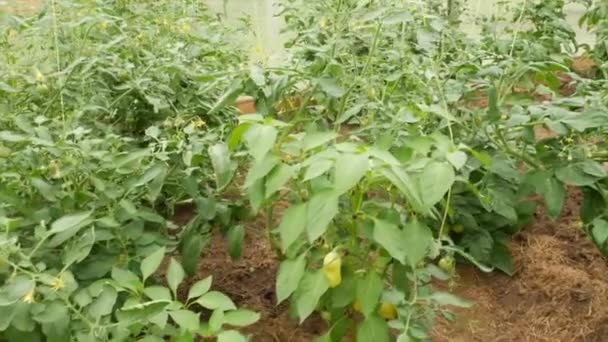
(372,50)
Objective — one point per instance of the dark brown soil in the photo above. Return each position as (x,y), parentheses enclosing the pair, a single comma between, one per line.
(559,291)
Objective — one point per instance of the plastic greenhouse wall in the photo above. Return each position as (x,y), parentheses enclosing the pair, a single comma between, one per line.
(267,39)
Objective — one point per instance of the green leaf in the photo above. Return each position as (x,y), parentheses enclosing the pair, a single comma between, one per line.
(235,237)
(155,171)
(309,292)
(223,167)
(187,320)
(158,293)
(70,222)
(79,249)
(593,205)
(237,135)
(255,193)
(216,320)
(231,336)
(142,312)
(289,276)
(457,159)
(216,300)
(369,290)
(373,328)
(241,318)
(317,168)
(391,238)
(418,240)
(599,234)
(402,181)
(200,287)
(256,73)
(574,174)
(234,89)
(259,140)
(191,250)
(278,178)
(435,181)
(261,169)
(584,121)
(12,137)
(292,225)
(501,259)
(331,87)
(126,278)
(594,168)
(7,313)
(316,139)
(554,195)
(175,275)
(44,188)
(349,169)
(321,210)
(53,311)
(151,263)
(104,303)
(349,113)
(445,298)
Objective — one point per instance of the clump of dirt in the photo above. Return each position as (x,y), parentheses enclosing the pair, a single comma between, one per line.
(558,293)
(585,66)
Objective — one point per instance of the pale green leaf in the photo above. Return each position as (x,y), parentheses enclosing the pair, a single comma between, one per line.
(331,87)
(216,320)
(445,298)
(175,275)
(292,225)
(200,287)
(278,178)
(457,159)
(391,238)
(241,317)
(216,300)
(187,320)
(373,328)
(143,311)
(44,188)
(157,170)
(418,240)
(157,293)
(289,276)
(434,182)
(317,168)
(70,221)
(104,303)
(261,169)
(151,263)
(231,336)
(320,211)
(259,140)
(554,195)
(349,169)
(309,292)
(369,290)
(316,139)
(223,167)
(126,278)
